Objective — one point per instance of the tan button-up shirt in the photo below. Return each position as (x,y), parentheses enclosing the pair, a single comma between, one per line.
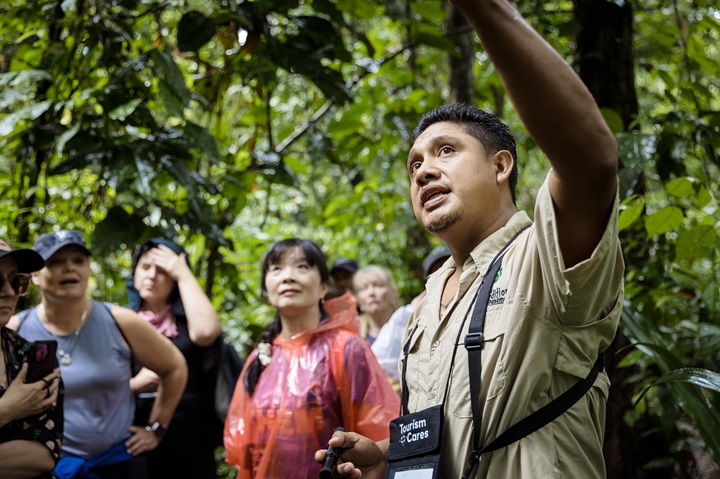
(545,326)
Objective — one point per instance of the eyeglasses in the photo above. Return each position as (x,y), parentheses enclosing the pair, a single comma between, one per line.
(52,239)
(19,282)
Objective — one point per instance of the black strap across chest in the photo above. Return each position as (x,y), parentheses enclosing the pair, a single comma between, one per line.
(474,345)
(529,424)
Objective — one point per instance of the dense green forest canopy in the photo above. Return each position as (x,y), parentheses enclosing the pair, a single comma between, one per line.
(227,125)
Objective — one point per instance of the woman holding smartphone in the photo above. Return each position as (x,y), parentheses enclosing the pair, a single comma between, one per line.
(96,344)
(31,421)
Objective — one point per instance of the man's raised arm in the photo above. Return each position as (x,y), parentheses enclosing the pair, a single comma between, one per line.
(561,116)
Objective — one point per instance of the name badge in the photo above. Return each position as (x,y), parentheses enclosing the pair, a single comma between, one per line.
(414,451)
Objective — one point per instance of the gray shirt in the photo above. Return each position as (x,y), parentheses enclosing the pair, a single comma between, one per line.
(99,404)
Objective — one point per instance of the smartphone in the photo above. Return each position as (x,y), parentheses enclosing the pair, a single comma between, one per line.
(41,360)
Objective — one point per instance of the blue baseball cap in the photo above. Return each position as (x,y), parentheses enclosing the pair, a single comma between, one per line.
(49,243)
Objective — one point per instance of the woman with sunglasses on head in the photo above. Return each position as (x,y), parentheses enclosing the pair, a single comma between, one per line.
(96,344)
(30,413)
(309,374)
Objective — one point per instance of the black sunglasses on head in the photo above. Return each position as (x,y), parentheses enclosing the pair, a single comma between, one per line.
(19,282)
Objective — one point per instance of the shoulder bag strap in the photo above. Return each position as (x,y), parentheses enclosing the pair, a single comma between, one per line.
(531,423)
(474,345)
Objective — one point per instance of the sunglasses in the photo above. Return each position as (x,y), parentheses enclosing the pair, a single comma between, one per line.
(52,239)
(19,282)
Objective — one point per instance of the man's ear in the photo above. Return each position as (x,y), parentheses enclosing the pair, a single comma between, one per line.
(504,163)
(35,278)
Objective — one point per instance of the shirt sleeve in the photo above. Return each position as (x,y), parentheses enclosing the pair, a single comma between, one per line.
(587,291)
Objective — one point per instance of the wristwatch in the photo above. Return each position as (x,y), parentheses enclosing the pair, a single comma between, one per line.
(158,429)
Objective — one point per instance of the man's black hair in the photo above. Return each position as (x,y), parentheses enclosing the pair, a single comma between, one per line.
(489,130)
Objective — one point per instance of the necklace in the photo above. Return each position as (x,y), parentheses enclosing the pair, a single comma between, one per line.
(66,356)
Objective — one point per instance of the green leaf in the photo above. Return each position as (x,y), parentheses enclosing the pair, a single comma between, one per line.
(613,119)
(630,214)
(703,198)
(194,31)
(680,187)
(169,71)
(204,140)
(116,229)
(123,111)
(696,242)
(8,124)
(66,136)
(697,376)
(667,219)
(426,35)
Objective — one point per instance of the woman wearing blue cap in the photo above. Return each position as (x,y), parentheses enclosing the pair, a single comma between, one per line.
(96,344)
(30,413)
(164,291)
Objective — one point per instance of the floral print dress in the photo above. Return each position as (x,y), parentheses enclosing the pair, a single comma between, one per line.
(46,427)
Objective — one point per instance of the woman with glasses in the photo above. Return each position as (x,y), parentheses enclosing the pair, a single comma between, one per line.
(310,373)
(30,413)
(96,344)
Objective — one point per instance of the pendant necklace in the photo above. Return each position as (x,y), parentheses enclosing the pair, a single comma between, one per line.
(66,356)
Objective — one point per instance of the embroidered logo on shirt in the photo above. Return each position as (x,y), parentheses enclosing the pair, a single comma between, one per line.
(497,296)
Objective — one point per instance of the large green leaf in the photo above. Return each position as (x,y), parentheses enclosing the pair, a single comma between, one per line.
(10,122)
(696,242)
(171,74)
(646,337)
(630,214)
(663,221)
(194,31)
(116,229)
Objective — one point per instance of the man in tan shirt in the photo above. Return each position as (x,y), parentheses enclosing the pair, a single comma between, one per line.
(555,302)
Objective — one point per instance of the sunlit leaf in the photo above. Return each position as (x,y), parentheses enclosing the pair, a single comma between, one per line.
(630,214)
(680,187)
(696,242)
(664,220)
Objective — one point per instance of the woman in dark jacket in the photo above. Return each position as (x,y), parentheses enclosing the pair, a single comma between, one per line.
(164,291)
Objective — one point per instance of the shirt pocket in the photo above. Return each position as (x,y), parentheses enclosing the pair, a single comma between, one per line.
(411,345)
(492,366)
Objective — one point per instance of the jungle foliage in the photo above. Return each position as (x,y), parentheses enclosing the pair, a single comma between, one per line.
(228,124)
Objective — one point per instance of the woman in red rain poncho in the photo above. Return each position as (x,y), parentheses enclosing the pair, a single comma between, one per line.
(309,374)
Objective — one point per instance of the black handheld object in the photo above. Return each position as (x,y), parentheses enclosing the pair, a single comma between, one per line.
(331,459)
(41,360)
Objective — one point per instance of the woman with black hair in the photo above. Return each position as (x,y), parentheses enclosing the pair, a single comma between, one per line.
(164,291)
(309,374)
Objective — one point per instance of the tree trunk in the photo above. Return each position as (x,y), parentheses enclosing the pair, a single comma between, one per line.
(606,65)
(605,55)
(462,80)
